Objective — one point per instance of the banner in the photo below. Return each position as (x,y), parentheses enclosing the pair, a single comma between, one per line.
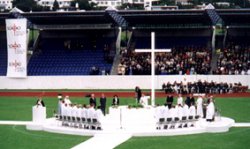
(17,47)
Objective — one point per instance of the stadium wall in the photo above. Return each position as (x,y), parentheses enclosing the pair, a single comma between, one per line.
(110,82)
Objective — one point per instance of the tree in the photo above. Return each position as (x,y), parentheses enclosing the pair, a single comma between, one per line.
(167,2)
(28,5)
(55,5)
(25,5)
(84,4)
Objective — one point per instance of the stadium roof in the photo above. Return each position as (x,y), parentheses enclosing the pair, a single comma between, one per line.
(159,18)
(235,18)
(137,19)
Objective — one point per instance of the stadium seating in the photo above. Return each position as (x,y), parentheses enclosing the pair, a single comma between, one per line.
(189,55)
(54,59)
(3,55)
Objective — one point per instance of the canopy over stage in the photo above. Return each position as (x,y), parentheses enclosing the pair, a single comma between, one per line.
(136,122)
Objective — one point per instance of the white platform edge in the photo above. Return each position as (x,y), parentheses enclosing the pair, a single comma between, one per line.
(204,127)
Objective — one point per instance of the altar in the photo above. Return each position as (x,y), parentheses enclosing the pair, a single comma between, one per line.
(133,118)
(38,114)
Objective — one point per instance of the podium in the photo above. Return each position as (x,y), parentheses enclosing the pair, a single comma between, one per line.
(38,114)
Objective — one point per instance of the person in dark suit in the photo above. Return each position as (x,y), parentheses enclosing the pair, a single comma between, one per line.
(40,102)
(187,101)
(103,103)
(92,100)
(192,101)
(138,93)
(115,101)
(169,101)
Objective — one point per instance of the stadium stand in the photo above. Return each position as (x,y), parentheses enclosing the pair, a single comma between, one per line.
(3,54)
(189,33)
(71,56)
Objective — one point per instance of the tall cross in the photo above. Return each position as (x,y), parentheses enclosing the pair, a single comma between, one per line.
(152,51)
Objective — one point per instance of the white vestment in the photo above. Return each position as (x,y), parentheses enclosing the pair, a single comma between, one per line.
(210,111)
(185,110)
(199,107)
(68,110)
(172,113)
(179,112)
(166,111)
(67,101)
(63,110)
(99,115)
(74,111)
(180,101)
(144,101)
(84,112)
(91,112)
(192,111)
(159,112)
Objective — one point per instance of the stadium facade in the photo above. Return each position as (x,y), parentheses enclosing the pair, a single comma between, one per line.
(85,43)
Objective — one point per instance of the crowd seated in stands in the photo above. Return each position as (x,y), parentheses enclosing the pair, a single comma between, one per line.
(203,87)
(234,60)
(182,60)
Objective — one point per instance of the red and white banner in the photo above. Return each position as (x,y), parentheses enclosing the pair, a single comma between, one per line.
(16,30)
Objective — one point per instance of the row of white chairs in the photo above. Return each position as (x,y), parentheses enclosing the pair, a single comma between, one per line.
(79,122)
(172,123)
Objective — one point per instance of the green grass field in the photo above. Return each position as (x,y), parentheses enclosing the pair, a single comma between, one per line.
(17,137)
(236,138)
(19,108)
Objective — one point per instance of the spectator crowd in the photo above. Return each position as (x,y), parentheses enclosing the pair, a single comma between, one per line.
(203,87)
(234,60)
(181,60)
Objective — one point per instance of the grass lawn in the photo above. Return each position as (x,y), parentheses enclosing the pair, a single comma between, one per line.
(236,138)
(19,108)
(17,137)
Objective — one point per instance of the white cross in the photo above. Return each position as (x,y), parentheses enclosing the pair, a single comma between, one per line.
(152,50)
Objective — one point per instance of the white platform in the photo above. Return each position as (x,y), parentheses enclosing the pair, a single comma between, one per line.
(123,123)
(136,122)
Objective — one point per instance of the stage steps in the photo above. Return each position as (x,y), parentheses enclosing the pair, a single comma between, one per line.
(104,141)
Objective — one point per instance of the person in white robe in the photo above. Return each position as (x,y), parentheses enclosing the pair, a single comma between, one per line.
(78,111)
(159,112)
(144,100)
(165,111)
(99,115)
(83,112)
(179,111)
(73,111)
(210,110)
(68,110)
(180,100)
(199,104)
(185,110)
(67,100)
(192,110)
(91,112)
(172,112)
(63,109)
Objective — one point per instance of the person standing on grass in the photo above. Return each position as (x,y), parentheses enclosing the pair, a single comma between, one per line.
(180,100)
(103,103)
(67,100)
(115,101)
(92,100)
(138,93)
(40,102)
